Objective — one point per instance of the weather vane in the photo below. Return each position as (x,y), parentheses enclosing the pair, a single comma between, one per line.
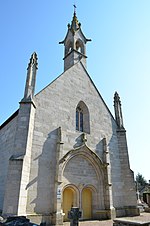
(74,7)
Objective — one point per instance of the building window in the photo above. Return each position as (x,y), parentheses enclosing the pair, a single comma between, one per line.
(79,119)
(82,118)
(69,47)
(80,46)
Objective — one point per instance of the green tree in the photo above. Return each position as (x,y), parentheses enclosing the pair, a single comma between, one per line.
(140,181)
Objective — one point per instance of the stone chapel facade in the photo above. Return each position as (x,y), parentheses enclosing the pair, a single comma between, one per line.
(64,148)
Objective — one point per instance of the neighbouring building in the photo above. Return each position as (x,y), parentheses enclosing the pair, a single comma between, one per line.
(64,148)
(144,194)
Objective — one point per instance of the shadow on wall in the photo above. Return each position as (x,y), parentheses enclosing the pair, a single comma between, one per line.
(99,149)
(80,140)
(46,175)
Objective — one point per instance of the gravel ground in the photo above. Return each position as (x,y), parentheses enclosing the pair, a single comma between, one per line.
(142,218)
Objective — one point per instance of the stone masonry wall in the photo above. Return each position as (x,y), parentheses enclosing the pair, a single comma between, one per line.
(56,107)
(7,136)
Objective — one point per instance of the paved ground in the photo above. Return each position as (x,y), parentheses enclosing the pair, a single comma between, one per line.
(143,217)
(95,223)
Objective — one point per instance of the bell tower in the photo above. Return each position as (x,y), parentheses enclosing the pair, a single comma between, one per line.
(75,44)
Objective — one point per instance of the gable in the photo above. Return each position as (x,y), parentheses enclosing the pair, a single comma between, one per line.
(9,119)
(56,107)
(75,83)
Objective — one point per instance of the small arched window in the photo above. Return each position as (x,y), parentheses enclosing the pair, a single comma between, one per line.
(79,119)
(80,46)
(68,47)
(82,118)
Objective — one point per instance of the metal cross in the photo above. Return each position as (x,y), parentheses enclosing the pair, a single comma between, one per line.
(74,8)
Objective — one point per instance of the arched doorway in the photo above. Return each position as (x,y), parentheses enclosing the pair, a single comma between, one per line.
(83,173)
(87,203)
(69,200)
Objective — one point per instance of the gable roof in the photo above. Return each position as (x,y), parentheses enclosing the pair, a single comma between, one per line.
(16,113)
(9,119)
(79,62)
(97,91)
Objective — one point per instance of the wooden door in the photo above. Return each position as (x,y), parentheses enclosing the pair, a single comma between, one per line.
(68,201)
(87,203)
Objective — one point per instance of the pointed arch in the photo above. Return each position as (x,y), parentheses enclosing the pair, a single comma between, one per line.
(68,47)
(87,203)
(82,168)
(82,118)
(70,199)
(80,46)
(85,151)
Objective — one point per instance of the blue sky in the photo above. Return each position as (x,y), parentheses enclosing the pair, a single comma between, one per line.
(118,57)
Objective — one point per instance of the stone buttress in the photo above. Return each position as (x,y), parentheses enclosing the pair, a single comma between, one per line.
(19,164)
(128,186)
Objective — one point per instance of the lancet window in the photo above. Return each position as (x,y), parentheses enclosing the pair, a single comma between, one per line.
(82,118)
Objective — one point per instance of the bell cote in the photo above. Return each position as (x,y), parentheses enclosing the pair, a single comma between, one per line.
(75,44)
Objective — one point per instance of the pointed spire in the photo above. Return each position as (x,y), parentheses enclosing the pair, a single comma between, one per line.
(33,60)
(118,110)
(75,25)
(31,77)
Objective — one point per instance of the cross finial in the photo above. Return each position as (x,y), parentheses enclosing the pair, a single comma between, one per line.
(74,8)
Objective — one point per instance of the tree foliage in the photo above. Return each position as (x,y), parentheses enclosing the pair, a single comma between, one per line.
(140,180)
